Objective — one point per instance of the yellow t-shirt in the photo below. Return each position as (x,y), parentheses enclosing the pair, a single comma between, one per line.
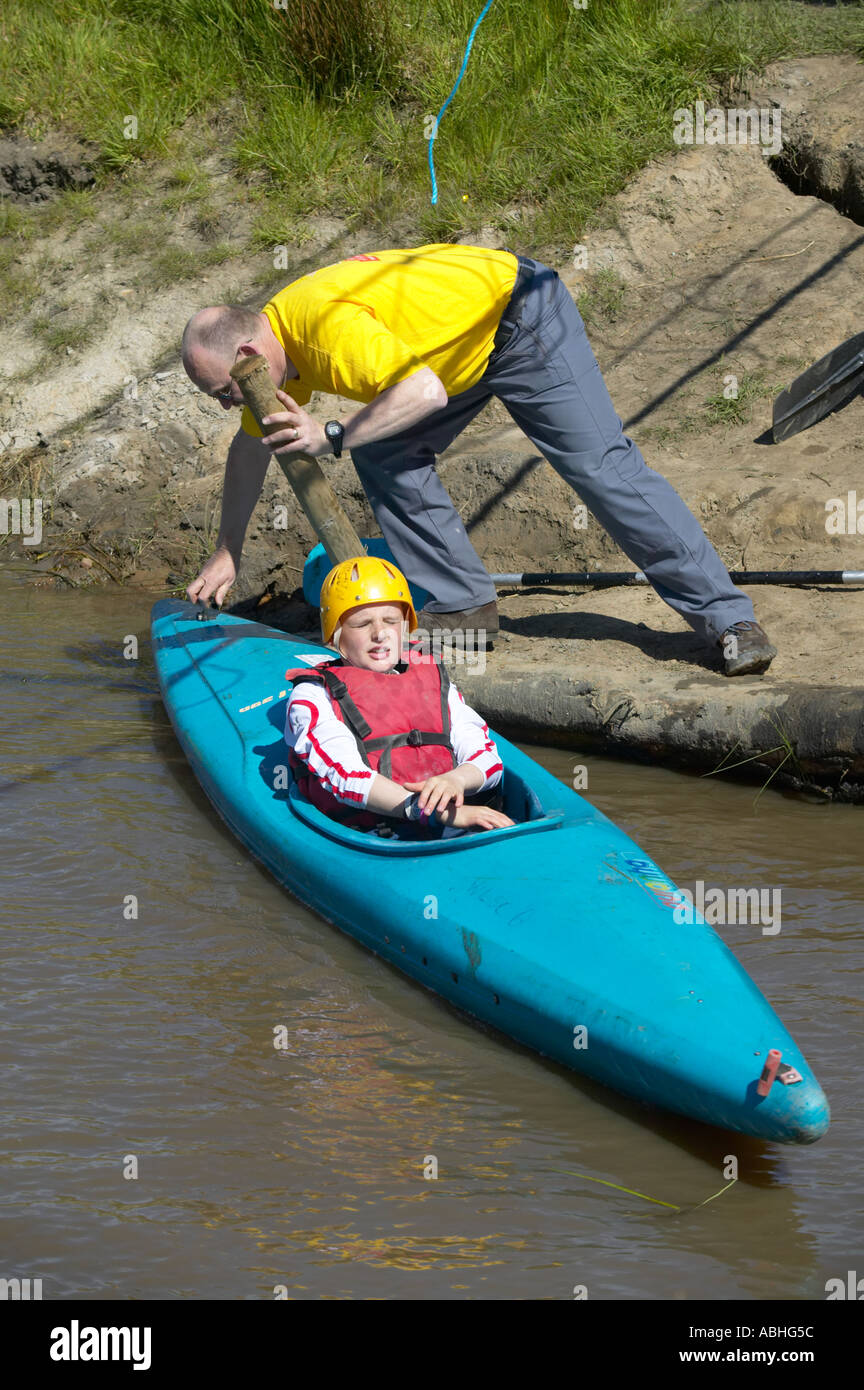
(356,327)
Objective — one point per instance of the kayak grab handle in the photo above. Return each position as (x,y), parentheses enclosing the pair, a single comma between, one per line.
(769,1072)
(205,611)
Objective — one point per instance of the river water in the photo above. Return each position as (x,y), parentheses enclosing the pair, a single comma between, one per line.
(145,1044)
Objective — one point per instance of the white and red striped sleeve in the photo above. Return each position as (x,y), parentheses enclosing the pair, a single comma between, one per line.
(471,742)
(326,745)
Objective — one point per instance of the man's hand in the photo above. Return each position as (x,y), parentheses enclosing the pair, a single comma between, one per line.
(294,431)
(216,578)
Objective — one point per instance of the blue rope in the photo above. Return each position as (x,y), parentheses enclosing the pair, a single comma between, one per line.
(451,96)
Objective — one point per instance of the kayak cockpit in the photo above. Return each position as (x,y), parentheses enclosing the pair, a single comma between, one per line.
(520,802)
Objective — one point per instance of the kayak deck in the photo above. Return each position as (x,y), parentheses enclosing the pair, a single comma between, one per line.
(558,931)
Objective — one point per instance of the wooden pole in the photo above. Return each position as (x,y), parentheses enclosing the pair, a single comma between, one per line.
(313,491)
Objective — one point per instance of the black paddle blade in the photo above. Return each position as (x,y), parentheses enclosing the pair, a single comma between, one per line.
(829,383)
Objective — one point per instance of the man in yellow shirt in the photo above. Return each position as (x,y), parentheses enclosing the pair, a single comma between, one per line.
(423,338)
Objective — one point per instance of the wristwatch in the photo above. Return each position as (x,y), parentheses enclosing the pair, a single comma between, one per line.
(411,811)
(335,432)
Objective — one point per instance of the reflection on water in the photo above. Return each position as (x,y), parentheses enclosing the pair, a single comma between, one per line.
(150,1036)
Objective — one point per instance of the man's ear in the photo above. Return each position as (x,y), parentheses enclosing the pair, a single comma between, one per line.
(247,350)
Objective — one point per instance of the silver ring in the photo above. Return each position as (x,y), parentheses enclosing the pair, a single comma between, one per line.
(295,434)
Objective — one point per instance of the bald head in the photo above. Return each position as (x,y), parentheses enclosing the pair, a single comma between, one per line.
(215,337)
(218,332)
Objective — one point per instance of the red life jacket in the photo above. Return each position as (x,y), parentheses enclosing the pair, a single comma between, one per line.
(400,719)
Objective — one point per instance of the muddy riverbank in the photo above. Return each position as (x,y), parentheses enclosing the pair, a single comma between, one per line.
(716,270)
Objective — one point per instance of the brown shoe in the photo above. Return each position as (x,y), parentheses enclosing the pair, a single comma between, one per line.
(479,625)
(746,649)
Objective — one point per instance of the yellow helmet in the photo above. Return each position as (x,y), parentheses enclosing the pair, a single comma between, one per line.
(366,579)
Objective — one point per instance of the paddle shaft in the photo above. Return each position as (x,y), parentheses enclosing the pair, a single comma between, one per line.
(313,491)
(608,578)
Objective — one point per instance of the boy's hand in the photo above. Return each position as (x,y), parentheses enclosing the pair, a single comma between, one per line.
(481,817)
(437,792)
(446,795)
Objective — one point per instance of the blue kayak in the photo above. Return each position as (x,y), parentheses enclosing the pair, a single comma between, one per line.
(559,930)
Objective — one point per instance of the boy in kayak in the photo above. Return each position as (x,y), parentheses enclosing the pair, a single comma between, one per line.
(379,735)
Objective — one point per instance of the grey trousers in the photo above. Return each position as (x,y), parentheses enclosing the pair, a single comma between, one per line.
(548,378)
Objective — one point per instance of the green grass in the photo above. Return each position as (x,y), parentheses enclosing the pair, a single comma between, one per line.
(203,533)
(785,746)
(328,98)
(134,239)
(70,209)
(15,223)
(721,409)
(173,263)
(18,285)
(56,334)
(602,300)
